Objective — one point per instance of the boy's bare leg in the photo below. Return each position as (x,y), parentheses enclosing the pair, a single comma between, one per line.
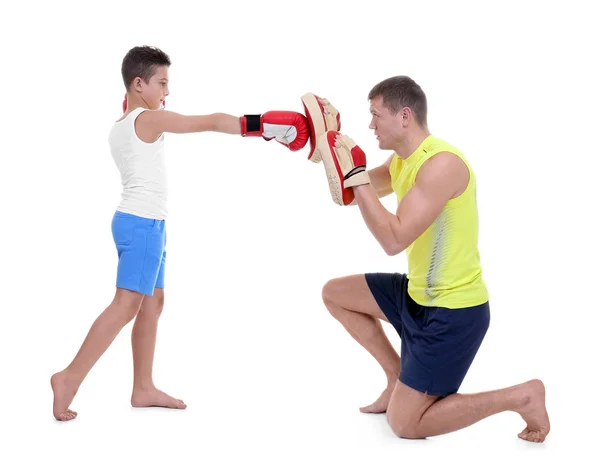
(414,415)
(351,302)
(106,327)
(143,344)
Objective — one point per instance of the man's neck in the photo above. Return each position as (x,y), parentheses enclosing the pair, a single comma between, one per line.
(407,147)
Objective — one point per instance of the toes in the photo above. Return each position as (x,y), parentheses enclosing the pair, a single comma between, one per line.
(374,408)
(531,436)
(65,416)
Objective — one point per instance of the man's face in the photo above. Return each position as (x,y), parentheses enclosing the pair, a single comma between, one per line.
(387,126)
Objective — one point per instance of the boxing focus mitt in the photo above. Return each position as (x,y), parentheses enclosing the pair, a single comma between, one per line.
(322,116)
(346,166)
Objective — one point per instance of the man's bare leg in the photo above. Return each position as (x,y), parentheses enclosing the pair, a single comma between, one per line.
(143,344)
(351,302)
(414,415)
(106,327)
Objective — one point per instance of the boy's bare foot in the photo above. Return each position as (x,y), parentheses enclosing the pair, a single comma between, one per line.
(142,398)
(63,396)
(381,404)
(533,411)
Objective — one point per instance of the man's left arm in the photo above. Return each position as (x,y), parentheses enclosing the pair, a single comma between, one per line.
(440,179)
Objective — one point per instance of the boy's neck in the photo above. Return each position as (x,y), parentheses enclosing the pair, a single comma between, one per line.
(133,102)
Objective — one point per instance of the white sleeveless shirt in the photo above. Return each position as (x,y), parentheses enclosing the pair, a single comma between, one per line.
(142,168)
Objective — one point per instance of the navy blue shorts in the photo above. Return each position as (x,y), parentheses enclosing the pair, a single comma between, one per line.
(438,344)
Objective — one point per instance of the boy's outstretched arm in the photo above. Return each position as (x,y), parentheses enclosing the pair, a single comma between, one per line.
(287,127)
(171,122)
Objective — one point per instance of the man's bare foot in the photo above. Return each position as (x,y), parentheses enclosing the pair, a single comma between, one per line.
(533,411)
(142,398)
(63,396)
(381,404)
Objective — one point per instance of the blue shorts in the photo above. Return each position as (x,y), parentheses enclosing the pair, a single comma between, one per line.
(141,245)
(438,344)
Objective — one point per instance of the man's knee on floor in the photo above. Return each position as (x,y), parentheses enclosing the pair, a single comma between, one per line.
(404,429)
(406,410)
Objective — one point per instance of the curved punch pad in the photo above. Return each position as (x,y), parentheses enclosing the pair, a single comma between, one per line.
(337,162)
(322,116)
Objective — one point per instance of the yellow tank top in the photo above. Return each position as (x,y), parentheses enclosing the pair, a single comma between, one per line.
(443,263)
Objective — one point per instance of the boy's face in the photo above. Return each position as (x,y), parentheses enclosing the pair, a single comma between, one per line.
(157,89)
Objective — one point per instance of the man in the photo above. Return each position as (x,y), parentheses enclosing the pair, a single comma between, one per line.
(440,308)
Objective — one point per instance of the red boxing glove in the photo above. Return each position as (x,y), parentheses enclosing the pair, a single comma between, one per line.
(287,127)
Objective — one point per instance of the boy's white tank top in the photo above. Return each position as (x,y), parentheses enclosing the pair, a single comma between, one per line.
(142,168)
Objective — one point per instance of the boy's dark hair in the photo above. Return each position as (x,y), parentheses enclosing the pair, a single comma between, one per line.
(401,91)
(142,61)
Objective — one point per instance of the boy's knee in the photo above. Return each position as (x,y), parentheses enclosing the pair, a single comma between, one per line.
(151,309)
(125,312)
(129,313)
(130,309)
(127,305)
(159,299)
(153,305)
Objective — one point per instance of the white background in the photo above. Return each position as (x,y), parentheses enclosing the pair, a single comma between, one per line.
(270,378)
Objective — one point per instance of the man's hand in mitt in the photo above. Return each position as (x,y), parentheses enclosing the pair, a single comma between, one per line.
(345,164)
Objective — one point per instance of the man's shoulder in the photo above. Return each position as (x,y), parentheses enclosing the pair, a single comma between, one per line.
(437,145)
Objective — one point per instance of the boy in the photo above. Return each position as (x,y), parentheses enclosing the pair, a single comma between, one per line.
(138,226)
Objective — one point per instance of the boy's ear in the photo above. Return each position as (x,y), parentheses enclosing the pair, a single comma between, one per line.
(137,83)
